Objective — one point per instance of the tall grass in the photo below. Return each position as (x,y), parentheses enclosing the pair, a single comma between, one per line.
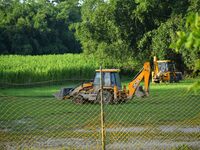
(27,69)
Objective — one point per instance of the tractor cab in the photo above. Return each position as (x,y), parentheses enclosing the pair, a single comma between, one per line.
(166,66)
(110,78)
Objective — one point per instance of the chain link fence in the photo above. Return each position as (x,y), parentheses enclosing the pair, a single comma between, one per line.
(31,118)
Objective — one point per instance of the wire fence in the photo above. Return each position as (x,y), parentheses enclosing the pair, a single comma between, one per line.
(32,118)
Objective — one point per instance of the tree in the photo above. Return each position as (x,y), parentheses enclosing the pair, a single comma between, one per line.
(188,42)
(129,29)
(98,32)
(38,27)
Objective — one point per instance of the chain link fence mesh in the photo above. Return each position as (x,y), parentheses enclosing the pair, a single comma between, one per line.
(31,118)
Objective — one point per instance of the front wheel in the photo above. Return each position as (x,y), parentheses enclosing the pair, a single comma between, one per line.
(107,97)
(78,100)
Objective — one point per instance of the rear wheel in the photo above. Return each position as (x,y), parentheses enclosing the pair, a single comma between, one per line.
(107,97)
(171,78)
(116,101)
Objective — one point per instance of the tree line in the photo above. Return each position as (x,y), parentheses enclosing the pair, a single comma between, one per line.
(38,26)
(139,29)
(112,30)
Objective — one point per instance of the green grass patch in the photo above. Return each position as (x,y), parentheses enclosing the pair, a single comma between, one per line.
(35,112)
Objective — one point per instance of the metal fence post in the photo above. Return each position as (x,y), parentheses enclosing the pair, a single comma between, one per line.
(103,135)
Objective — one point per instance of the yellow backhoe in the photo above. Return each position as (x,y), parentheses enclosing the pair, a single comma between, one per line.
(165,71)
(112,89)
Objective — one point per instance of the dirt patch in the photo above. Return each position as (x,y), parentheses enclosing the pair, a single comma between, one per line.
(137,129)
(78,143)
(180,129)
(131,129)
(54,143)
(152,144)
(136,141)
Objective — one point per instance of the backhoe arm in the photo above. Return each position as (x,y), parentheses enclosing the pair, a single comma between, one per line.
(144,73)
(155,66)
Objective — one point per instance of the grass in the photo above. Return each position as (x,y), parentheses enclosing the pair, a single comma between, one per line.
(35,113)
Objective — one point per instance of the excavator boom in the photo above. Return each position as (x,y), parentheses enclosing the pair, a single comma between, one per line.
(144,73)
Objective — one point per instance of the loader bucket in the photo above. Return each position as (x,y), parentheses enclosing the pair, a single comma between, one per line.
(140,92)
(62,93)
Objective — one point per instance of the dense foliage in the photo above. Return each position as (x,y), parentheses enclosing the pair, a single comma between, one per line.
(38,26)
(188,42)
(112,31)
(137,29)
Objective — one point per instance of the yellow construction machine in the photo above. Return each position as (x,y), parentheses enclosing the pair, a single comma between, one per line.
(112,89)
(165,71)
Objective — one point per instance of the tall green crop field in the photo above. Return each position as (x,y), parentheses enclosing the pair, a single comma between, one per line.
(28,69)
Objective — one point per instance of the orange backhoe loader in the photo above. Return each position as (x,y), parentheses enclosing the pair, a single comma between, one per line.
(165,71)
(112,89)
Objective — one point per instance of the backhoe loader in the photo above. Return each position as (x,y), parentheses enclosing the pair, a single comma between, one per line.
(165,71)
(112,89)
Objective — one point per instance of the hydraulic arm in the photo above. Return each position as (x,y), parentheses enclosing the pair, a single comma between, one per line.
(144,73)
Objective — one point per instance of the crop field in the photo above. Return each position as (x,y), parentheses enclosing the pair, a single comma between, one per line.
(28,69)
(31,118)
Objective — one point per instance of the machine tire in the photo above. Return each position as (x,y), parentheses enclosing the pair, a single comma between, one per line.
(107,97)
(116,101)
(172,79)
(78,100)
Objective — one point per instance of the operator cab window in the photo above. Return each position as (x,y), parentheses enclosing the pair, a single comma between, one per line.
(115,80)
(162,66)
(97,78)
(106,79)
(109,79)
(171,67)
